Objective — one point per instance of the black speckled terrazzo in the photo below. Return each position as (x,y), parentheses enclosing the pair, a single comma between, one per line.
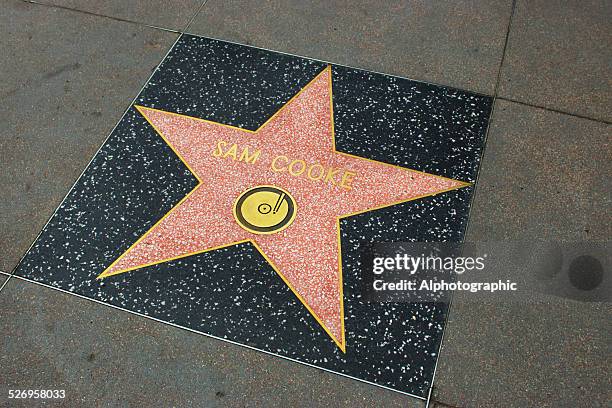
(233,293)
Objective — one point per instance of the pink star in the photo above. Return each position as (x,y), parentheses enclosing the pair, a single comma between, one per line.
(297,154)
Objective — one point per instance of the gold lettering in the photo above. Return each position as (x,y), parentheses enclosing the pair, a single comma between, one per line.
(233,151)
(277,169)
(301,168)
(249,159)
(347,179)
(321,172)
(331,175)
(294,173)
(219,149)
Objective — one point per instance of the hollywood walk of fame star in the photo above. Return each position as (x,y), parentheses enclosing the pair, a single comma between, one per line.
(291,156)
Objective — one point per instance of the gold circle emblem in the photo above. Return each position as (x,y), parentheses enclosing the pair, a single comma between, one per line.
(265,209)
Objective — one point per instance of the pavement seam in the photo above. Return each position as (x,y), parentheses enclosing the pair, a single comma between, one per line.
(576,115)
(194,16)
(430,397)
(486,139)
(509,99)
(5,282)
(507,40)
(123,20)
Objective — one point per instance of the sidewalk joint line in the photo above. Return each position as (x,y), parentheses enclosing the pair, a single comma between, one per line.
(503,57)
(123,20)
(576,115)
(5,282)
(472,198)
(194,16)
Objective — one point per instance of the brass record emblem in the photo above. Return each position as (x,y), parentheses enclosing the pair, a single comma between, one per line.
(265,209)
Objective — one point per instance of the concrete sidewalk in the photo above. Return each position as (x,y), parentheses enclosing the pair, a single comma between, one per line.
(71,67)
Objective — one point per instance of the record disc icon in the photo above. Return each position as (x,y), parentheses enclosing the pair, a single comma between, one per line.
(265,209)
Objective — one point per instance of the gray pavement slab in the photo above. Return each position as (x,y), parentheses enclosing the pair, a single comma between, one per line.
(459,43)
(544,176)
(171,14)
(558,56)
(67,77)
(102,357)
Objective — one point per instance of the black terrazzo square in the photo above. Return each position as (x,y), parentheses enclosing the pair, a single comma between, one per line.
(234,293)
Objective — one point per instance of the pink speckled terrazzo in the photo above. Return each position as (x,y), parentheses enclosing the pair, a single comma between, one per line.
(293,150)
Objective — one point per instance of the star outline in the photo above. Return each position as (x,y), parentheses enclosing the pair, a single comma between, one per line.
(342,342)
